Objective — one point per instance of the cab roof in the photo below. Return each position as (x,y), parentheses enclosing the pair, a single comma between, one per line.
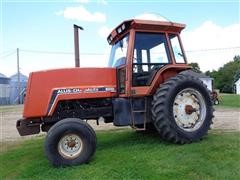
(146,25)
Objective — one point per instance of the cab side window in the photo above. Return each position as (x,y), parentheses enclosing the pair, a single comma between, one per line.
(177,50)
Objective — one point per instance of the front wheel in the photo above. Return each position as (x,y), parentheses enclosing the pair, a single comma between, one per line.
(182,109)
(70,142)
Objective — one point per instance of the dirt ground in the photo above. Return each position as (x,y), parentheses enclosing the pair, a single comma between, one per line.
(225,119)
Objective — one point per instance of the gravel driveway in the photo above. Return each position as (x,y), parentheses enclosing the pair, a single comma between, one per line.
(225,118)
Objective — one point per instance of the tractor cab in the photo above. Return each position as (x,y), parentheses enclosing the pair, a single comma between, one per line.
(140,49)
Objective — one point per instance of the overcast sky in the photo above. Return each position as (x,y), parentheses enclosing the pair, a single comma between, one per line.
(210,38)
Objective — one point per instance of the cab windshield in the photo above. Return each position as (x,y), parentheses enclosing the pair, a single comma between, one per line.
(119,53)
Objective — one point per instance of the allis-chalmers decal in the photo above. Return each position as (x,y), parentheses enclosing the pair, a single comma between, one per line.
(65,91)
(69,91)
(86,90)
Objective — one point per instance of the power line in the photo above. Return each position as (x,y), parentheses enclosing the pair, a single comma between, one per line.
(9,54)
(57,52)
(45,52)
(215,49)
(6,52)
(90,53)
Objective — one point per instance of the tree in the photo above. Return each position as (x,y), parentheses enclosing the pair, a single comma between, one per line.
(225,77)
(195,67)
(236,58)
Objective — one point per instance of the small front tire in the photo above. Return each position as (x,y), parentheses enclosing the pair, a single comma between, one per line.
(70,142)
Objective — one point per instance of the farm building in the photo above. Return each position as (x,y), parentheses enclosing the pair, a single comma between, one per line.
(208,81)
(14,98)
(4,89)
(237,86)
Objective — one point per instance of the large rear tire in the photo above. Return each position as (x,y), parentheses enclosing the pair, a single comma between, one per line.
(182,109)
(70,142)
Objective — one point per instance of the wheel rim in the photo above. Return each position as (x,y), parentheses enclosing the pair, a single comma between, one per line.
(70,146)
(189,110)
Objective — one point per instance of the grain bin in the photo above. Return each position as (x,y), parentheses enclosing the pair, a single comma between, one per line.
(4,90)
(14,98)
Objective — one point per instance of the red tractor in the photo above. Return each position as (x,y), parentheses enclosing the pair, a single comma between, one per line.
(146,85)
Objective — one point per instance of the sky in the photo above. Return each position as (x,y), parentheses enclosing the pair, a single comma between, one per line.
(43,30)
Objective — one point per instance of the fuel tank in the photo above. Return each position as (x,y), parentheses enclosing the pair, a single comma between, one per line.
(46,88)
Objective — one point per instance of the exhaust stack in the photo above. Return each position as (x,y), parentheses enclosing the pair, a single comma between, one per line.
(76,45)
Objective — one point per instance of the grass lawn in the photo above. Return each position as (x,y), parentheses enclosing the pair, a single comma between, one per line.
(125,154)
(230,100)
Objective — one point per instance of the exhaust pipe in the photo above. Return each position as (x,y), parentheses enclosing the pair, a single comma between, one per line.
(76,45)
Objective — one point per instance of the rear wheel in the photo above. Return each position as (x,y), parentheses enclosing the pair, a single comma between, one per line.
(182,109)
(69,142)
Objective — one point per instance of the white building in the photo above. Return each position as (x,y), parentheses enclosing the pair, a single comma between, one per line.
(237,86)
(208,81)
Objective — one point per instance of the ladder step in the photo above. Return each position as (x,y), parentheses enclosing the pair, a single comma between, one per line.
(139,111)
(139,129)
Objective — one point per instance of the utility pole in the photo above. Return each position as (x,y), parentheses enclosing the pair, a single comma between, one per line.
(76,44)
(18,75)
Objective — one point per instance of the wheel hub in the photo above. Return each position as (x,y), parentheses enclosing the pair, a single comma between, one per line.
(189,109)
(70,146)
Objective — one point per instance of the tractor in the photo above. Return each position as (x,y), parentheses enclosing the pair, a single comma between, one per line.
(146,85)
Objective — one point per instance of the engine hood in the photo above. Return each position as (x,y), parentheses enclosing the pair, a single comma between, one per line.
(46,88)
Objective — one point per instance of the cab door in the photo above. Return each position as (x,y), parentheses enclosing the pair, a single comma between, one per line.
(150,54)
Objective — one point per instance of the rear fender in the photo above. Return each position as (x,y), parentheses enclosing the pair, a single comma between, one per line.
(164,74)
